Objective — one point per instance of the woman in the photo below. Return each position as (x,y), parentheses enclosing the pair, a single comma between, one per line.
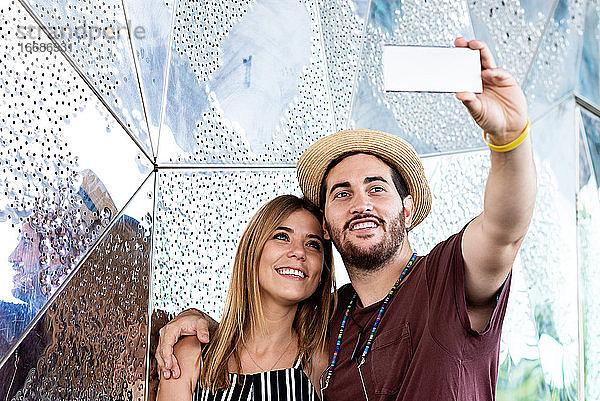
(270,343)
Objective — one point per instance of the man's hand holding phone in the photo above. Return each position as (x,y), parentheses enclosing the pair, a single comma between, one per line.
(501,109)
(491,94)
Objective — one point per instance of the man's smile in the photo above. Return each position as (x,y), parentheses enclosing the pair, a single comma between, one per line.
(364,223)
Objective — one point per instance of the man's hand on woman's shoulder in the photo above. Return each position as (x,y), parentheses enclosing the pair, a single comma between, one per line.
(190,322)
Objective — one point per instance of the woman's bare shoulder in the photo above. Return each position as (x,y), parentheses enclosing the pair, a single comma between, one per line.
(187,351)
(187,345)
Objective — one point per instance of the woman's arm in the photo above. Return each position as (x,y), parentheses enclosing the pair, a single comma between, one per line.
(187,351)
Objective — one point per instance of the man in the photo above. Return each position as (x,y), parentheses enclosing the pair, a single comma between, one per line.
(408,327)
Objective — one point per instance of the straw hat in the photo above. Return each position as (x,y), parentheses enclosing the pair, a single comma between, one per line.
(97,202)
(313,164)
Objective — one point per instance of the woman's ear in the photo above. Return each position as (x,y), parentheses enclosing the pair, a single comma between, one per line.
(325,232)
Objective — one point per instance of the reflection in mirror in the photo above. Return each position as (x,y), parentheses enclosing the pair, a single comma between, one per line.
(52,240)
(588,236)
(91,342)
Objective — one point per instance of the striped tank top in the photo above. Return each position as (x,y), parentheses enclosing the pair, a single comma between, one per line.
(290,384)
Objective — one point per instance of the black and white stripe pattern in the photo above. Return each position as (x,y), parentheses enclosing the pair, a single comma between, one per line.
(277,385)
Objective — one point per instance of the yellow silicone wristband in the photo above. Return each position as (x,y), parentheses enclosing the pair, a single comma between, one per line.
(511,145)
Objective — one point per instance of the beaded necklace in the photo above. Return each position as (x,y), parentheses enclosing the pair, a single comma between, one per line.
(372,335)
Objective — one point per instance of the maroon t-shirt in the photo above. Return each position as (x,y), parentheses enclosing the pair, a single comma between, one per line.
(424,347)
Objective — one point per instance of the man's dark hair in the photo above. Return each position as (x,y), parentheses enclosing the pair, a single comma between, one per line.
(397,178)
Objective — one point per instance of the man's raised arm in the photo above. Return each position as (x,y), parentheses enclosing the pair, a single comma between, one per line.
(491,241)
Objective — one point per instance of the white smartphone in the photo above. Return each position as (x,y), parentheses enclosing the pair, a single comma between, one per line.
(431,69)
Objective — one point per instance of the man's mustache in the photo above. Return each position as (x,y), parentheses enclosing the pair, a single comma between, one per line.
(363,216)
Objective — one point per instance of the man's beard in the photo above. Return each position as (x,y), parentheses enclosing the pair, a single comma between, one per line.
(376,256)
(25,290)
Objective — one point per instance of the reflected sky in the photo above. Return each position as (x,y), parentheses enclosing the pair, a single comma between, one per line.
(260,63)
(262,59)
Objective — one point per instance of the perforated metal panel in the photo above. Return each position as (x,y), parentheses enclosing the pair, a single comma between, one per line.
(512,29)
(247,83)
(556,64)
(431,122)
(200,217)
(150,28)
(446,174)
(342,26)
(95,36)
(67,167)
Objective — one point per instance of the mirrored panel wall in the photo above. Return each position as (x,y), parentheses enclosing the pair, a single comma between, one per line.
(200,217)
(588,235)
(95,37)
(67,168)
(139,137)
(433,123)
(91,341)
(247,83)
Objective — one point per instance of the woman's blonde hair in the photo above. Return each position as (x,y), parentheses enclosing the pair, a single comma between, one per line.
(243,308)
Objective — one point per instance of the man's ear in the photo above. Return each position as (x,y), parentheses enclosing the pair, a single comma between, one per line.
(325,232)
(409,209)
